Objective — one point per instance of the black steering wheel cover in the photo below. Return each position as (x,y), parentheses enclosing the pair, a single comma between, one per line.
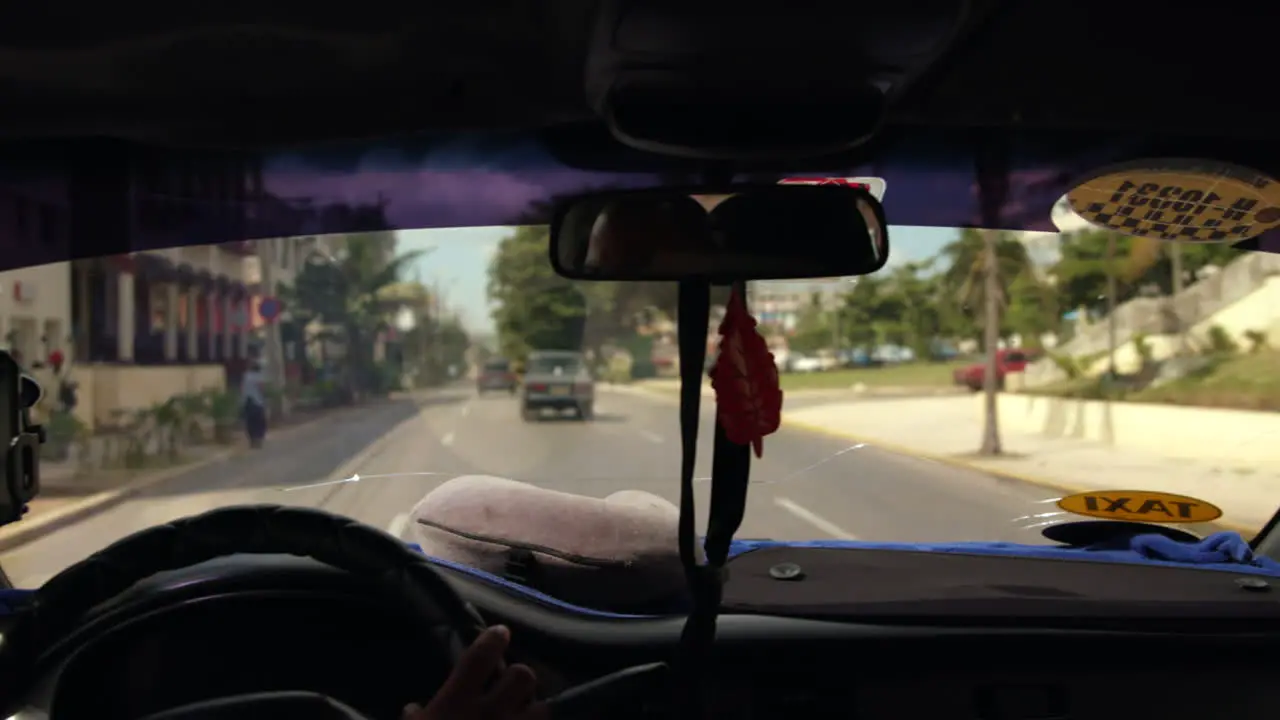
(63,602)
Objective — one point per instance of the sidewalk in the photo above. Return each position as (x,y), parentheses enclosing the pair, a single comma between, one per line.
(68,496)
(946,430)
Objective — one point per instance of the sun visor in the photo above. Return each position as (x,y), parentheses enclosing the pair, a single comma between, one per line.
(724,81)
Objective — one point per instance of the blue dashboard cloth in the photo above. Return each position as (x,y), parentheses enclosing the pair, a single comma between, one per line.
(1225,551)
(1224,548)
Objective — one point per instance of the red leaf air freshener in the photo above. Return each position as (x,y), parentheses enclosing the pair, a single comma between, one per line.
(745,379)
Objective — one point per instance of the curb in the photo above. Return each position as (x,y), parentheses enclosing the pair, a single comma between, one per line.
(1013,476)
(25,531)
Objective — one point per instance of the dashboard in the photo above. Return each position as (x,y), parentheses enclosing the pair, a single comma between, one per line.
(204,632)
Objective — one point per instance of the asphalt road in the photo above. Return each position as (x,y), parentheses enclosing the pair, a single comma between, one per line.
(807,485)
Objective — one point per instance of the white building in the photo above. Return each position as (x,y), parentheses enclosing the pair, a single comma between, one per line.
(779,303)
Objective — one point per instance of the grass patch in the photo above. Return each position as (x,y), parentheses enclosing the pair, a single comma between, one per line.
(900,375)
(1245,382)
(1242,382)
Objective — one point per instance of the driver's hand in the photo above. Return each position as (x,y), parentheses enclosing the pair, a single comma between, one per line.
(464,697)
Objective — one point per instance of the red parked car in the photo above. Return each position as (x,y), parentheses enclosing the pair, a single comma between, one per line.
(1007,361)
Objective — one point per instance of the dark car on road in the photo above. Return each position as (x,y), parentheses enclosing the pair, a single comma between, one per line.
(557,380)
(496,375)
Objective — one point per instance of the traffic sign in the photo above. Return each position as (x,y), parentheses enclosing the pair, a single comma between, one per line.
(270,308)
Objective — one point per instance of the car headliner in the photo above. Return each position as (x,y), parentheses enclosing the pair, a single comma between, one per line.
(107,190)
(237,73)
(991,136)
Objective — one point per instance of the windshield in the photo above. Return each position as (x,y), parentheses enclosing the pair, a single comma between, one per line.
(357,372)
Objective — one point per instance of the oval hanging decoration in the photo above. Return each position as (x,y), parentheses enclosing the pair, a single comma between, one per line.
(1179,200)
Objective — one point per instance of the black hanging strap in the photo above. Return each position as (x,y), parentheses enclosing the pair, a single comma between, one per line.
(730,473)
(730,468)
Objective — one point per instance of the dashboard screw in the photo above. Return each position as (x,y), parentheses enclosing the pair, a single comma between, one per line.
(786,571)
(1256,584)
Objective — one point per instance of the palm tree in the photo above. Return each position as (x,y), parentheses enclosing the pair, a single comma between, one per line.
(353,293)
(966,273)
(983,266)
(992,292)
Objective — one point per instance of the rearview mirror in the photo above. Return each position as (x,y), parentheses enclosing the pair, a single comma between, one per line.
(772,232)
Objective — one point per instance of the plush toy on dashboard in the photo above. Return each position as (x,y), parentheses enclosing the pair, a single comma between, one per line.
(617,554)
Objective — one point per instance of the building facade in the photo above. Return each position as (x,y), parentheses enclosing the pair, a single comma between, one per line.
(777,304)
(35,310)
(140,323)
(274,266)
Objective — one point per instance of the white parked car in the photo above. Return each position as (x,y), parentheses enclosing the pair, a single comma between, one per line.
(804,364)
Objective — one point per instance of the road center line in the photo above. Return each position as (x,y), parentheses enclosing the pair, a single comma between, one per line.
(651,436)
(447,440)
(814,519)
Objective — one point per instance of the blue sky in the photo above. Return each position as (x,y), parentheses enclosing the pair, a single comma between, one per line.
(457,262)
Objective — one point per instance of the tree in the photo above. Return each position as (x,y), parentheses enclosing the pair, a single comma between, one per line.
(349,293)
(864,307)
(992,297)
(911,309)
(813,328)
(968,277)
(984,264)
(1092,260)
(434,342)
(1033,309)
(432,346)
(534,309)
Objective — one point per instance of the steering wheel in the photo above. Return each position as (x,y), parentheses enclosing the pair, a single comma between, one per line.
(62,603)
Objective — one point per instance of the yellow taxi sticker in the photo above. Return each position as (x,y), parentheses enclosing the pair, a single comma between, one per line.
(1140,506)
(1197,201)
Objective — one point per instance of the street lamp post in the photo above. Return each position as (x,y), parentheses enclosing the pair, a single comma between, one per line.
(438,293)
(268,251)
(405,322)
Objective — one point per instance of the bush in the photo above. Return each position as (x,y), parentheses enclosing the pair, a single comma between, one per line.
(64,431)
(224,412)
(1220,341)
(1068,365)
(643,369)
(1142,347)
(1257,340)
(386,379)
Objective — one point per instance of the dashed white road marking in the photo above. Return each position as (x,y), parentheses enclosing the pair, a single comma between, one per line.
(447,440)
(651,436)
(466,410)
(814,519)
(398,524)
